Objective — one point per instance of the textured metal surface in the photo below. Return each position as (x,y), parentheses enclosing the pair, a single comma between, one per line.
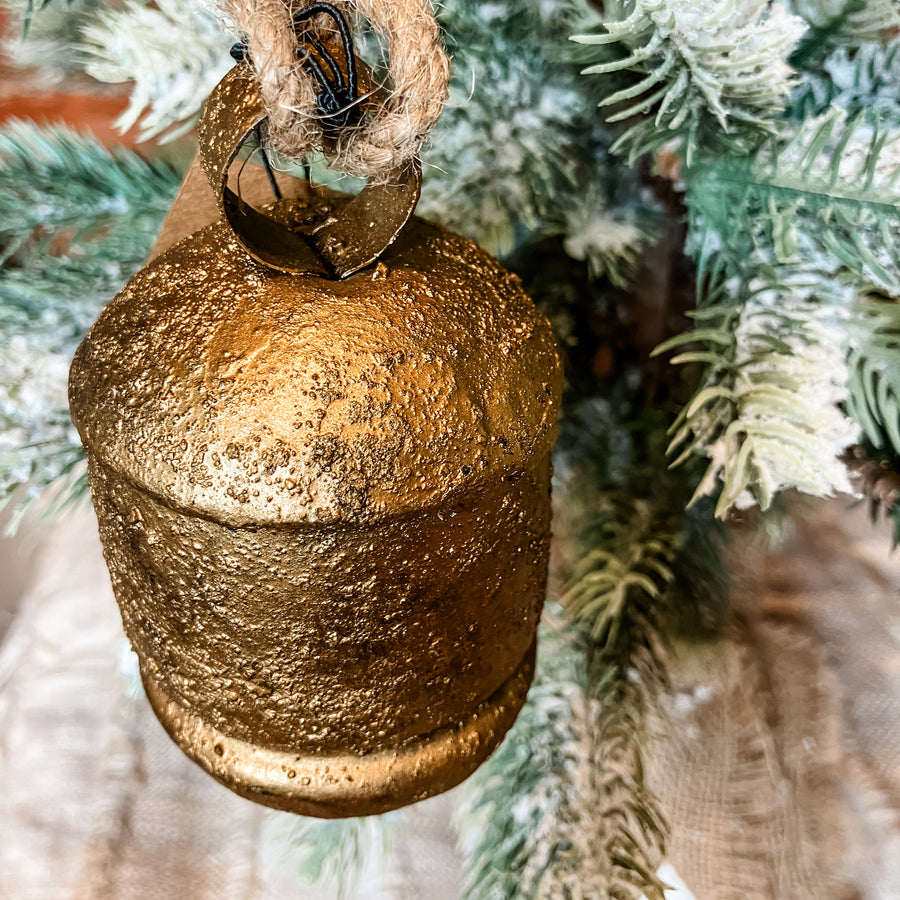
(331,238)
(326,786)
(325,504)
(263,398)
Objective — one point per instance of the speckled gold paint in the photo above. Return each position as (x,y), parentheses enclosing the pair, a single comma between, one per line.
(325,509)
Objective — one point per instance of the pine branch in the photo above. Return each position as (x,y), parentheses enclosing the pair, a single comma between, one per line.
(853,20)
(711,77)
(332,853)
(861,78)
(32,7)
(874,366)
(75,221)
(560,809)
(767,412)
(612,243)
(827,197)
(47,39)
(624,680)
(496,161)
(782,240)
(627,570)
(174,53)
(39,450)
(54,177)
(501,158)
(612,475)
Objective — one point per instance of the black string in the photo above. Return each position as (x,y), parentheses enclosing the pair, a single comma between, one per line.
(239,51)
(267,165)
(337,100)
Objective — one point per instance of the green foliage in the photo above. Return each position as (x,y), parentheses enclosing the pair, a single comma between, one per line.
(626,571)
(75,221)
(781,234)
(332,853)
(849,20)
(496,161)
(32,7)
(560,810)
(826,197)
(174,53)
(517,143)
(767,411)
(874,364)
(625,677)
(859,78)
(611,458)
(500,159)
(712,77)
(611,243)
(47,38)
(38,448)
(53,178)
(781,241)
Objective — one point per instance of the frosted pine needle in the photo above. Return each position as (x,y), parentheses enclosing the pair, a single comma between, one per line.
(712,74)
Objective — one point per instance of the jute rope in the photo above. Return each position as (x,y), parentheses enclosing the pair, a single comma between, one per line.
(418,68)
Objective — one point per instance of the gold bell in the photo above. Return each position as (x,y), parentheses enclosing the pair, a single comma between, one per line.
(324,504)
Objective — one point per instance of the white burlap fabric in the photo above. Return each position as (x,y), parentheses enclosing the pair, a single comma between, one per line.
(779,766)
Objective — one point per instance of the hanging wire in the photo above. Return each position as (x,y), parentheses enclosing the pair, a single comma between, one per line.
(337,101)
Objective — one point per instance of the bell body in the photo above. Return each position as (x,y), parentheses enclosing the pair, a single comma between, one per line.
(325,510)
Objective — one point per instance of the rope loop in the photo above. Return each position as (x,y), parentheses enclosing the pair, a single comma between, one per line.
(312,98)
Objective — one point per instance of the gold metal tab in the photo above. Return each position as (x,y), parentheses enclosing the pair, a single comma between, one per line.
(347,235)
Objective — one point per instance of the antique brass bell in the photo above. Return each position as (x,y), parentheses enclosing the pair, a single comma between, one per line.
(324,502)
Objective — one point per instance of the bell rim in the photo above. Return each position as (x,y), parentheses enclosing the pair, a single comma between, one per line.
(340,786)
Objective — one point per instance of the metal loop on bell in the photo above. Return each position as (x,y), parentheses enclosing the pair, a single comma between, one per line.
(350,239)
